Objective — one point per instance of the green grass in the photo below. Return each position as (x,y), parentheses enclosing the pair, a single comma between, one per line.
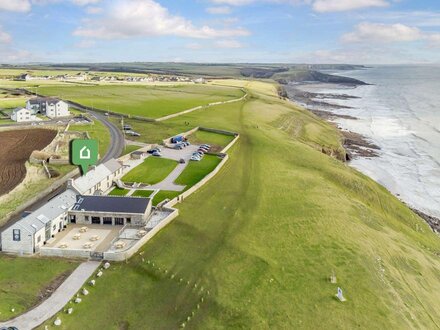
(216,140)
(144,101)
(264,235)
(129,149)
(142,193)
(97,131)
(151,171)
(164,194)
(119,192)
(196,171)
(7,103)
(22,280)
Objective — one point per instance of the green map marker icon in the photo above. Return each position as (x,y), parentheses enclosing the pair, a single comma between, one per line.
(84,153)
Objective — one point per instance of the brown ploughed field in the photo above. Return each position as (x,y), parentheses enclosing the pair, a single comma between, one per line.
(15,149)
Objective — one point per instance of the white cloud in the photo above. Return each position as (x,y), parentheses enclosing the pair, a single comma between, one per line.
(228,44)
(93,10)
(137,18)
(221,10)
(85,2)
(373,32)
(233,2)
(345,5)
(15,5)
(4,37)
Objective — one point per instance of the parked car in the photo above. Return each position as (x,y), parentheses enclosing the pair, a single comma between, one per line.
(126,128)
(196,158)
(156,154)
(182,161)
(151,151)
(203,149)
(132,133)
(178,146)
(206,145)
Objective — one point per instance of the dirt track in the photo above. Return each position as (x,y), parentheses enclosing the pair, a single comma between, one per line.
(15,148)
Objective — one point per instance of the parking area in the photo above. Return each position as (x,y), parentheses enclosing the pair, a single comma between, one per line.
(95,238)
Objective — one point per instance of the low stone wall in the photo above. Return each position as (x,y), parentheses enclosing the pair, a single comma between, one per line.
(65,253)
(200,107)
(123,255)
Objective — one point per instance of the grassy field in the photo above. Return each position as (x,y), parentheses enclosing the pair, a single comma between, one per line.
(151,171)
(9,103)
(23,279)
(97,131)
(151,102)
(119,192)
(164,194)
(254,247)
(217,141)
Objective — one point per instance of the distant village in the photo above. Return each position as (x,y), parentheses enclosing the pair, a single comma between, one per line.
(85,76)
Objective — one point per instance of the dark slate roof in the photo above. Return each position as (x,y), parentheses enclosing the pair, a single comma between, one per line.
(38,100)
(114,204)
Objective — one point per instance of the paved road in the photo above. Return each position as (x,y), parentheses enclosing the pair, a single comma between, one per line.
(57,300)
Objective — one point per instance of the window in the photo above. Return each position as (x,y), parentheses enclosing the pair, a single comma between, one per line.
(128,220)
(107,220)
(73,219)
(39,239)
(96,220)
(119,221)
(16,235)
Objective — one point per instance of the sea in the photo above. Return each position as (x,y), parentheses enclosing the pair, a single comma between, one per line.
(399,112)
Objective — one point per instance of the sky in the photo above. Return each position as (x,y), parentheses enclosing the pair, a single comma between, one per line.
(258,31)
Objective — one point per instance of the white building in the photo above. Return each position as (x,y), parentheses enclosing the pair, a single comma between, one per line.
(57,108)
(22,115)
(51,107)
(97,180)
(27,235)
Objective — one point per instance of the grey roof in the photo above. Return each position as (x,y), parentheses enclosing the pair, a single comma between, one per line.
(96,175)
(38,100)
(114,204)
(51,210)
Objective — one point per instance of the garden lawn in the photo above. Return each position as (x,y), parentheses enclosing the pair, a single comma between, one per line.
(142,193)
(22,280)
(144,101)
(196,171)
(119,192)
(151,171)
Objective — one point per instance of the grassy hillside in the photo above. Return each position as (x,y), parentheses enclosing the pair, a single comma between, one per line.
(23,281)
(254,247)
(151,102)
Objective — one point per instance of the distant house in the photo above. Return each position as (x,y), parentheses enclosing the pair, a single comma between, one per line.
(51,107)
(22,115)
(24,77)
(200,81)
(57,108)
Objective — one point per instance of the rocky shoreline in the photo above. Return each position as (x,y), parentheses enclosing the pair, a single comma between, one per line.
(356,145)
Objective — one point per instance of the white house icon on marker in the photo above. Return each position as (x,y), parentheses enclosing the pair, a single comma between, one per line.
(84,153)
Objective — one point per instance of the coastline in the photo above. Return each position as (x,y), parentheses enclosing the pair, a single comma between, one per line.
(356,145)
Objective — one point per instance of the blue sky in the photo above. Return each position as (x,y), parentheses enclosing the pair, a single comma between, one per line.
(287,31)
